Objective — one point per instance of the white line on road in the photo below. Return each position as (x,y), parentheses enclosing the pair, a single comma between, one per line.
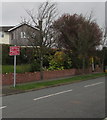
(3,107)
(93,84)
(52,95)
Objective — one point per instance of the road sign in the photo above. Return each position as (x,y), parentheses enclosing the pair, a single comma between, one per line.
(14,50)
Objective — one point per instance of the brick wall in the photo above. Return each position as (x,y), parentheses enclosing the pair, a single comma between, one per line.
(58,73)
(7,79)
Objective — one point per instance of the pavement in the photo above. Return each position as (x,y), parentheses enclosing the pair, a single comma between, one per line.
(84,99)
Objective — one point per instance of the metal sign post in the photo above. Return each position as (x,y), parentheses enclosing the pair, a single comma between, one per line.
(14,50)
(14,70)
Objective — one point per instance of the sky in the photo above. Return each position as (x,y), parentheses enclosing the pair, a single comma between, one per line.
(13,11)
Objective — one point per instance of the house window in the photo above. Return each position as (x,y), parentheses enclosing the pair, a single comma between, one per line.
(23,35)
(1,34)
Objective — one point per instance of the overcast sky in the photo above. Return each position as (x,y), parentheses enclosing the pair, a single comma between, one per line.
(13,11)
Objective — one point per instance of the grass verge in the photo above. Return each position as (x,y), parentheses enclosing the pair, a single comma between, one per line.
(44,84)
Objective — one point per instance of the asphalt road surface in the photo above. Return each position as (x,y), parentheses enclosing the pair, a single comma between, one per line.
(78,100)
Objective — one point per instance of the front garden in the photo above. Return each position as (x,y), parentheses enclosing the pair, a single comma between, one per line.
(55,59)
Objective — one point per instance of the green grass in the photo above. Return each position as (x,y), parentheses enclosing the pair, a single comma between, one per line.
(57,82)
(19,68)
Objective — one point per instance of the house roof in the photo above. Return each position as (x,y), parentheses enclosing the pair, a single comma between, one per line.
(5,28)
(17,26)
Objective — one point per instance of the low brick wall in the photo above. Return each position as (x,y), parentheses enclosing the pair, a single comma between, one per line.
(7,79)
(58,73)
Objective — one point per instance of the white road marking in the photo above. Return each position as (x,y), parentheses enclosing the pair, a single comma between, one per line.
(3,107)
(52,94)
(93,84)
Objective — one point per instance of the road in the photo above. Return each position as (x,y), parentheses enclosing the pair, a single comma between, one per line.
(78,100)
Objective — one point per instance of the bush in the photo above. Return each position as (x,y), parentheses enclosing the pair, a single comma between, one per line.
(67,63)
(6,59)
(60,61)
(35,66)
(55,66)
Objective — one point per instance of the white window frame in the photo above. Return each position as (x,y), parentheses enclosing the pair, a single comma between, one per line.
(23,34)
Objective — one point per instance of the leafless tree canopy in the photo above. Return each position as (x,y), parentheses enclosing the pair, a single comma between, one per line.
(43,21)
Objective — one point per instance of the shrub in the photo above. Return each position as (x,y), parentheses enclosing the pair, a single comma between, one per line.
(35,66)
(60,61)
(55,66)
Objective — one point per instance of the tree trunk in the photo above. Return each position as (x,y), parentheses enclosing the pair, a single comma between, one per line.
(83,65)
(41,50)
(41,68)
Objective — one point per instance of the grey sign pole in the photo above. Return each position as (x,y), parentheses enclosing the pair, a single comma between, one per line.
(14,70)
(14,50)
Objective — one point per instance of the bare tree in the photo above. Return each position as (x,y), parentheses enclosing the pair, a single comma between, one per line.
(42,39)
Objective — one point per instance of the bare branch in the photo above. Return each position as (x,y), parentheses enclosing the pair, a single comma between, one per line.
(33,17)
